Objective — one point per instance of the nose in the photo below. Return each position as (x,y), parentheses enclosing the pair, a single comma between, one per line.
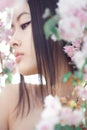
(15,41)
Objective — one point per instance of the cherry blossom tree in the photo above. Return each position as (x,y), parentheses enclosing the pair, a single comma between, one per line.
(7,62)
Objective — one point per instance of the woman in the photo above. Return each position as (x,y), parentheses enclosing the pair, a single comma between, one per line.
(21,105)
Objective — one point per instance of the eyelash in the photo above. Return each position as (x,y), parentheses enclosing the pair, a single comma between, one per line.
(23,26)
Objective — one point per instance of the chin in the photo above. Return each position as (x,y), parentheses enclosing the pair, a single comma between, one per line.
(28,71)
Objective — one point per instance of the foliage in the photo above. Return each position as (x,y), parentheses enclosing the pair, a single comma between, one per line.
(69,24)
(7,60)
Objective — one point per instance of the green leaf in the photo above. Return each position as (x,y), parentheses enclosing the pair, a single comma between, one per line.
(85,28)
(50,27)
(55,32)
(6,70)
(9,78)
(86,61)
(78,128)
(84,105)
(74,82)
(58,127)
(67,127)
(78,74)
(66,77)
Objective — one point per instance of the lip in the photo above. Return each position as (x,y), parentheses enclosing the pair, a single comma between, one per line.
(18,56)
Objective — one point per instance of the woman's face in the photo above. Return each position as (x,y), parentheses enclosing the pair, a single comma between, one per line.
(22,39)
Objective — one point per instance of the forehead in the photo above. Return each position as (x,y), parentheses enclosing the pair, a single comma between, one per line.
(20,7)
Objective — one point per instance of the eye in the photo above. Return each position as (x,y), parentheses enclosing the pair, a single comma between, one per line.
(23,26)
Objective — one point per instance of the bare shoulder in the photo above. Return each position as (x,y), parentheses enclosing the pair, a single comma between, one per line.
(7,98)
(9,92)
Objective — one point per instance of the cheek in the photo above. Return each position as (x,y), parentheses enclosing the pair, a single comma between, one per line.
(28,67)
(28,40)
(28,64)
(30,50)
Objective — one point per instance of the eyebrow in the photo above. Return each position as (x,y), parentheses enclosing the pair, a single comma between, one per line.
(22,15)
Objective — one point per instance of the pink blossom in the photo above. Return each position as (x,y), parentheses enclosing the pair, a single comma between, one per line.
(10,64)
(67,8)
(2,55)
(8,34)
(66,119)
(64,116)
(79,59)
(78,117)
(81,14)
(71,117)
(77,43)
(69,50)
(85,38)
(45,125)
(85,77)
(5,3)
(82,93)
(5,30)
(52,102)
(52,109)
(84,49)
(70,29)
(1,24)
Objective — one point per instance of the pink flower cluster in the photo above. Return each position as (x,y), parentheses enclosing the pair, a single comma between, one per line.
(72,29)
(5,3)
(82,92)
(5,34)
(54,113)
(10,64)
(73,19)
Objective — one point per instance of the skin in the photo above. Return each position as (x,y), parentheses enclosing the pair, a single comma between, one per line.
(22,42)
(22,39)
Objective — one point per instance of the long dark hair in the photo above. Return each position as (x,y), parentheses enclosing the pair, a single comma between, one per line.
(50,57)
